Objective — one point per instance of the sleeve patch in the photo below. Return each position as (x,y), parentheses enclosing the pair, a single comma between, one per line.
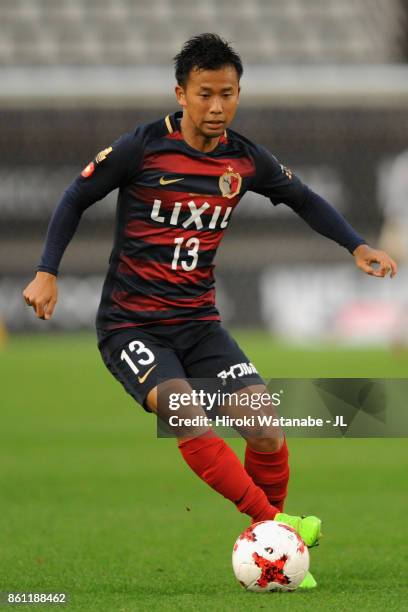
(287,171)
(88,170)
(102,155)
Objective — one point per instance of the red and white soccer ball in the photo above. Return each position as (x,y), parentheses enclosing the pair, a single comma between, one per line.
(270,556)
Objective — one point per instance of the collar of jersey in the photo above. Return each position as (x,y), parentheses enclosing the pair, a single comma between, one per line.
(175,124)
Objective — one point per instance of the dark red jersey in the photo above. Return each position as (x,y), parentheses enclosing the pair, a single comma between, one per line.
(174,205)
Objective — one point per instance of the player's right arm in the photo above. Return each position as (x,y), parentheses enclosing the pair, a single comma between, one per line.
(42,294)
(110,169)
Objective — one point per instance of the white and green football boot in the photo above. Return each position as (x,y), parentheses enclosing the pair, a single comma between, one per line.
(309,529)
(308,582)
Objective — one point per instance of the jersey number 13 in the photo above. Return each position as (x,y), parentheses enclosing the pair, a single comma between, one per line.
(192,244)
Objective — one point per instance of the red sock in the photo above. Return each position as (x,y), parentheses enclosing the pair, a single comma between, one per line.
(215,463)
(270,471)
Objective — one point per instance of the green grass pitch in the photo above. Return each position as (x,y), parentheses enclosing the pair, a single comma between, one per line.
(93,504)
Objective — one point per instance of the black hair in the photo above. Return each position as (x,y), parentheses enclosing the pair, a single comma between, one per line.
(205,52)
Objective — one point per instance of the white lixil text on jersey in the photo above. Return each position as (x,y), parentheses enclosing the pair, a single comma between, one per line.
(196,215)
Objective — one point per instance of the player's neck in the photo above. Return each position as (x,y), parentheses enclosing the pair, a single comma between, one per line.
(195,140)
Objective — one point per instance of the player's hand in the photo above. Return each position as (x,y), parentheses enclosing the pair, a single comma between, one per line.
(42,294)
(365,257)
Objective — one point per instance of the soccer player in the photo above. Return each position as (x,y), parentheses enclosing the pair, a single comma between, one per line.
(179,180)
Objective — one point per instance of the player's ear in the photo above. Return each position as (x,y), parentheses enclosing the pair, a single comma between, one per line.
(180,95)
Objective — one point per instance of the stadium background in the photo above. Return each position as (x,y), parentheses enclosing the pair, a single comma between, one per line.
(326,89)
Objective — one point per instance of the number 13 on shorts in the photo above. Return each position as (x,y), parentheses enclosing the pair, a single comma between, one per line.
(146,356)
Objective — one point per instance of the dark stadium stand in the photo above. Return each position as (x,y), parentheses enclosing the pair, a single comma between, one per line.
(128,32)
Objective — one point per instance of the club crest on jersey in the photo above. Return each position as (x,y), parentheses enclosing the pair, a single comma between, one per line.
(230,183)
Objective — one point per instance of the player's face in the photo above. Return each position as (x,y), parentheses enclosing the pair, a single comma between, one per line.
(209,100)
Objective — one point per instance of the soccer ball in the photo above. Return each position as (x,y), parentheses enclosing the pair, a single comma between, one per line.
(270,556)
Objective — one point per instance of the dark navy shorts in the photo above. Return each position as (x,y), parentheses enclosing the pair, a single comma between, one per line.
(141,358)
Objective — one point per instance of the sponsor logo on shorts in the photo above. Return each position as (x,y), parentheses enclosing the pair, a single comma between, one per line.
(141,379)
(237,370)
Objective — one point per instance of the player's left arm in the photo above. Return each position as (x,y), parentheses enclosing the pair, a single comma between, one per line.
(365,257)
(281,185)
(325,219)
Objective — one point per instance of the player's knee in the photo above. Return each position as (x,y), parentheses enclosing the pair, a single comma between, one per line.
(265,445)
(151,400)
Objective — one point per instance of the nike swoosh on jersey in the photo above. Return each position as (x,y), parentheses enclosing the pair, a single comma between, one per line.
(164,181)
(141,379)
